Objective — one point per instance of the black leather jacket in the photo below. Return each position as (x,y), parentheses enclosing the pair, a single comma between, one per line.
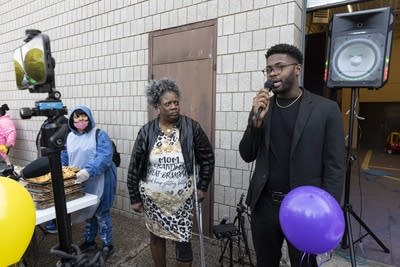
(191,137)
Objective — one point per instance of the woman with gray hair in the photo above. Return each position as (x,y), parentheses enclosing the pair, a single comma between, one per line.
(160,173)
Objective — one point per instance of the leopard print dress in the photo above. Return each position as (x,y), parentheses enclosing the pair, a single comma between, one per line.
(167,193)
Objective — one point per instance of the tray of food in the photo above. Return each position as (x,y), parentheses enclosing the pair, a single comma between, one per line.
(43,195)
(44,204)
(69,172)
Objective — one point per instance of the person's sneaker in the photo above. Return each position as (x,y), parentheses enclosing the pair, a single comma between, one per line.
(87,246)
(51,227)
(107,251)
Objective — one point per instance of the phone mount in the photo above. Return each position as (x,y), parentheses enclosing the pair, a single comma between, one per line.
(51,144)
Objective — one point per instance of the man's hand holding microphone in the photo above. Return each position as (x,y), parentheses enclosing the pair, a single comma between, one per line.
(261,103)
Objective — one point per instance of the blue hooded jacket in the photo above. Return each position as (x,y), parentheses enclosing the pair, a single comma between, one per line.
(98,164)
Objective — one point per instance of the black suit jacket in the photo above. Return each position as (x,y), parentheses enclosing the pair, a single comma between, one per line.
(317,148)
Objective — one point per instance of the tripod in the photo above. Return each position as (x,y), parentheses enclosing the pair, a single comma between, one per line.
(230,232)
(348,210)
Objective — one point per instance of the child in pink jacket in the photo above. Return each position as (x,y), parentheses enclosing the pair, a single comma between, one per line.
(8,134)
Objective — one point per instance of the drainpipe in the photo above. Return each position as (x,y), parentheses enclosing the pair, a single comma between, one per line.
(303,38)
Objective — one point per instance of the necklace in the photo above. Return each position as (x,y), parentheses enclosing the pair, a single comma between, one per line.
(167,129)
(294,101)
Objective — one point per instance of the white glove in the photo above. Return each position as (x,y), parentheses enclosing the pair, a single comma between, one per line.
(81,176)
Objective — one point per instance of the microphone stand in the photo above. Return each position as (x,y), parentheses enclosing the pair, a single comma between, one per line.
(348,210)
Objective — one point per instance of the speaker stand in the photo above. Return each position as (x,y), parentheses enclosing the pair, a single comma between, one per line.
(347,208)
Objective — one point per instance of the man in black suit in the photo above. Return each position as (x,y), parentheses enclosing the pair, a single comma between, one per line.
(297,139)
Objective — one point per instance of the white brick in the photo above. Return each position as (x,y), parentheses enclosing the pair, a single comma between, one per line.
(161,6)
(225,176)
(228,25)
(226,102)
(248,99)
(230,158)
(273,36)
(217,138)
(233,43)
(237,102)
(259,39)
(246,179)
(237,135)
(260,3)
(212,9)
(225,139)
(246,5)
(202,11)
(173,18)
(223,7)
(219,64)
(287,34)
(237,179)
(182,16)
(229,196)
(273,2)
(221,83)
(266,17)
(219,192)
(244,81)
(231,121)
(251,61)
(218,102)
(178,3)
(220,120)
(169,4)
(227,64)
(239,62)
(245,41)
(192,14)
(240,22)
(253,20)
(234,7)
(219,157)
(232,82)
(280,15)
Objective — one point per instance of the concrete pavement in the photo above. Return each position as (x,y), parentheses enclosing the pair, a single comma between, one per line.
(131,243)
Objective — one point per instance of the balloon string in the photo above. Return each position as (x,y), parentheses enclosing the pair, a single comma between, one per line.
(302,258)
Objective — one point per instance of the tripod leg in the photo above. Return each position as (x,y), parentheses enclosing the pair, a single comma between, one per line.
(230,252)
(221,257)
(245,241)
(350,236)
(385,249)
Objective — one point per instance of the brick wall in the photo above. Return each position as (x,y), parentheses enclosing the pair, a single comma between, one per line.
(101,53)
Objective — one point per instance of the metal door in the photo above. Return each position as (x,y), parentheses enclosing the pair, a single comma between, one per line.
(187,55)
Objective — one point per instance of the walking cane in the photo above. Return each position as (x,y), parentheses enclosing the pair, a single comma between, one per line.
(199,215)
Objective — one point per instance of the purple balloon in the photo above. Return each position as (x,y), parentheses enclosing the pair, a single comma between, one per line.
(311,219)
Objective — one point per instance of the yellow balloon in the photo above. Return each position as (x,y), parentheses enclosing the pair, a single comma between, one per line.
(17,221)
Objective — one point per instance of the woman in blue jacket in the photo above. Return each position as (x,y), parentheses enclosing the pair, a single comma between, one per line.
(93,156)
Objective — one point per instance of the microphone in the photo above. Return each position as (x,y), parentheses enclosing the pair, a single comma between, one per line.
(267,85)
(36,168)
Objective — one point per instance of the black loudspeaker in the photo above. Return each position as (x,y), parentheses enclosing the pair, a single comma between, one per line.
(359,49)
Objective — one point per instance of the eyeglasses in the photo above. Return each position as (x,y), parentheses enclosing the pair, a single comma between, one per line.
(277,68)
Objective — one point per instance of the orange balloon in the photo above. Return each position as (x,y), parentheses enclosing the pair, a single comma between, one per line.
(17,221)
